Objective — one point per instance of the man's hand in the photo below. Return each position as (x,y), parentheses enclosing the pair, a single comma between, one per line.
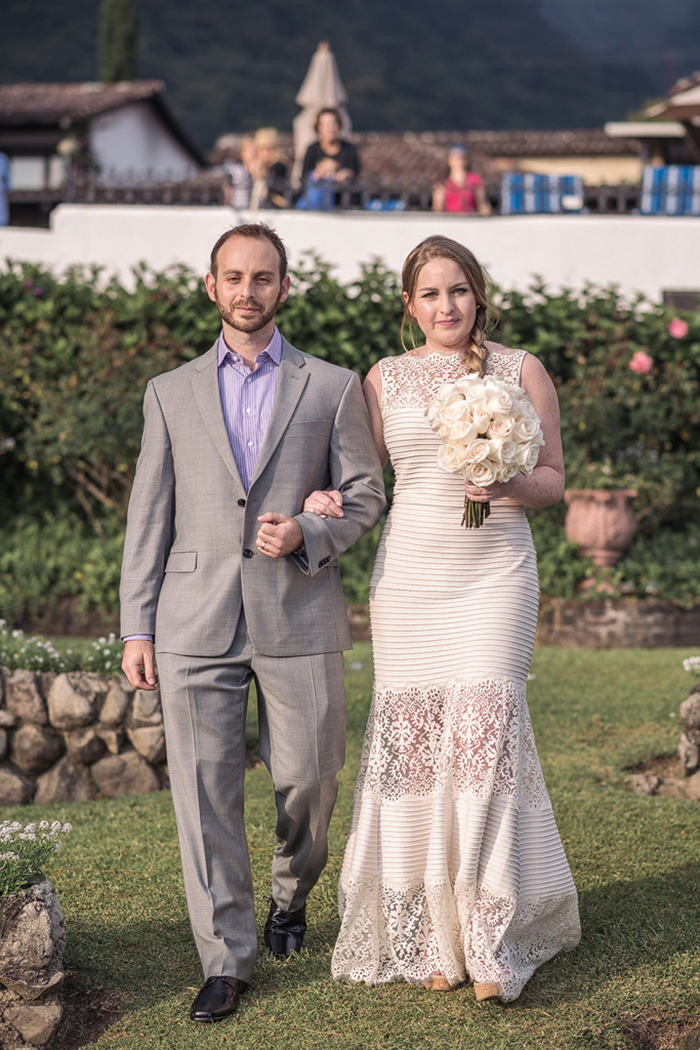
(325,503)
(138,654)
(279,535)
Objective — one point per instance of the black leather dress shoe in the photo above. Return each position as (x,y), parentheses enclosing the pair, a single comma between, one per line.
(217,999)
(284,930)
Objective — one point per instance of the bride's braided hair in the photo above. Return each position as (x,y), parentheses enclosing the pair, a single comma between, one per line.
(439,247)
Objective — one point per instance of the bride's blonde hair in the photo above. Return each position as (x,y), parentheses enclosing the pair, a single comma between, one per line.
(439,247)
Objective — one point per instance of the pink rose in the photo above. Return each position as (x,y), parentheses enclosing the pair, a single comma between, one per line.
(677,328)
(642,363)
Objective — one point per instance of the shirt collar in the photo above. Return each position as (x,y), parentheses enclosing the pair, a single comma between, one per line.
(273,349)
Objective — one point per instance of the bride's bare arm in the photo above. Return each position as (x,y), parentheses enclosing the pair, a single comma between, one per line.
(546,483)
(372,389)
(329,503)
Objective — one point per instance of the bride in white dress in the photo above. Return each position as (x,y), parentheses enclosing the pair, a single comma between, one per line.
(454,868)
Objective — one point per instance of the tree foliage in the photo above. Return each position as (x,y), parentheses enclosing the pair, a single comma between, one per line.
(118,40)
(76,354)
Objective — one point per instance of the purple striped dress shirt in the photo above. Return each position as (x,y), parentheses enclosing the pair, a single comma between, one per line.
(246,400)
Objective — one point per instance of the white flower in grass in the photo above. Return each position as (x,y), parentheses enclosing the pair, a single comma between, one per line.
(692,664)
(66,828)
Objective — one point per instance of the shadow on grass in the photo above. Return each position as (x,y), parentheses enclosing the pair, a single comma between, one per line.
(151,959)
(626,926)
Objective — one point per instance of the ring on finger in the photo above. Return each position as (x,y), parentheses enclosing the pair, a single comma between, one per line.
(263,545)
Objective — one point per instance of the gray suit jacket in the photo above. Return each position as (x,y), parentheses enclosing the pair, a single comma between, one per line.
(190,559)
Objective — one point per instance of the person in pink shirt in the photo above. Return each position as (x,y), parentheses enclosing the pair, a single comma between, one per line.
(462,190)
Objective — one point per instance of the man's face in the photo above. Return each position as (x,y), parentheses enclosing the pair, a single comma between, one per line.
(247,288)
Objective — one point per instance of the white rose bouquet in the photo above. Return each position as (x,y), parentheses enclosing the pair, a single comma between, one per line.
(489,432)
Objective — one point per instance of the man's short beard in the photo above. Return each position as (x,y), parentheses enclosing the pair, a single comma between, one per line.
(246,324)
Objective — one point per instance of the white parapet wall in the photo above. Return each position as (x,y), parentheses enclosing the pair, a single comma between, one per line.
(637,253)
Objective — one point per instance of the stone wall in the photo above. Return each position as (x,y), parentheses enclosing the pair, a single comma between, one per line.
(32,940)
(613,624)
(78,736)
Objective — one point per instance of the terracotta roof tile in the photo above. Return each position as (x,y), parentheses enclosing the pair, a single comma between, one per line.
(50,103)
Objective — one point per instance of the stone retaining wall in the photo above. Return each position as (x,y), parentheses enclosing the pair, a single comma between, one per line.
(617,624)
(31,967)
(77,736)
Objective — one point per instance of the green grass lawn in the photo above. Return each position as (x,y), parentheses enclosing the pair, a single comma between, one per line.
(636,863)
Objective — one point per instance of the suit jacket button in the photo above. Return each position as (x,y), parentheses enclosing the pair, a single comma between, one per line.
(241,503)
(247,553)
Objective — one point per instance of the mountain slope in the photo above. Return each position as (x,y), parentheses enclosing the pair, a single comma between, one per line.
(233,65)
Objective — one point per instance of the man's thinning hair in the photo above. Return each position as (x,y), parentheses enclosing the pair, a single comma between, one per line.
(252,229)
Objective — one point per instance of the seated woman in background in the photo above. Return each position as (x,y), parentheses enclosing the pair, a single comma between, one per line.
(271,178)
(462,190)
(331,146)
(319,194)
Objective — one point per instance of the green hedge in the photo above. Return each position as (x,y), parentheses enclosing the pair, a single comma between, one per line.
(77,352)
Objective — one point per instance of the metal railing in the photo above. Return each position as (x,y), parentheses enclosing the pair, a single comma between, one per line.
(365,194)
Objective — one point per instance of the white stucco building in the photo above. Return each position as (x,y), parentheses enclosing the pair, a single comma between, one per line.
(123,131)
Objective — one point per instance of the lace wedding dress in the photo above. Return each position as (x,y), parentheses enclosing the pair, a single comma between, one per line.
(454,864)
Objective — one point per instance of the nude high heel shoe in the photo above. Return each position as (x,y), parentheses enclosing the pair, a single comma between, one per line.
(484,990)
(437,982)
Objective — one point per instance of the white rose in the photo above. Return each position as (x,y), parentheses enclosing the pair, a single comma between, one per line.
(463,431)
(527,408)
(501,427)
(447,394)
(467,382)
(500,403)
(441,430)
(433,411)
(506,472)
(451,457)
(483,473)
(531,459)
(509,451)
(495,446)
(454,411)
(478,450)
(481,418)
(523,451)
(528,430)
(476,393)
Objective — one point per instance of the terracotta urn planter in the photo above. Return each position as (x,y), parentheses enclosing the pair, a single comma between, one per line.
(601,522)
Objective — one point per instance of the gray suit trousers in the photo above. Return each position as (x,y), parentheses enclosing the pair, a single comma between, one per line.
(301,705)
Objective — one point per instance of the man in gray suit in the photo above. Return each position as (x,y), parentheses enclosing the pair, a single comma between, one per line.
(234,582)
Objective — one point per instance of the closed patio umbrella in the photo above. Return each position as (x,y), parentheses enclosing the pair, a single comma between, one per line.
(322,89)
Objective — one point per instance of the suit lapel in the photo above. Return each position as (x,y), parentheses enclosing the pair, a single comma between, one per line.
(290,386)
(205,386)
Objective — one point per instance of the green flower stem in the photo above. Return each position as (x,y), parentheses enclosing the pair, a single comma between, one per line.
(475,513)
